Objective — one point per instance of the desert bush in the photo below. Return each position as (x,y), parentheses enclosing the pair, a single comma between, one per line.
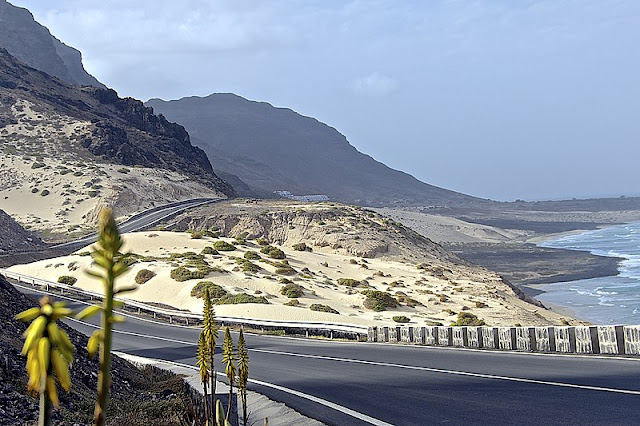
(292,290)
(285,280)
(37,165)
(262,242)
(285,270)
(301,247)
(68,280)
(467,318)
(241,298)
(293,302)
(323,308)
(221,245)
(209,250)
(183,274)
(410,302)
(353,261)
(248,266)
(252,255)
(215,291)
(45,192)
(481,305)
(349,282)
(144,275)
(93,194)
(35,190)
(196,235)
(123,170)
(378,300)
(401,318)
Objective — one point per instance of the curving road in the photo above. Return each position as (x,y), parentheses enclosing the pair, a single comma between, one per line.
(344,383)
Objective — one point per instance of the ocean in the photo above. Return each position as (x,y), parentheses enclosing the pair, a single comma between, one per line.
(608,300)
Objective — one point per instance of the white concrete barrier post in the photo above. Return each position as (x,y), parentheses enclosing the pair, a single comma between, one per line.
(459,336)
(431,336)
(445,337)
(565,339)
(474,337)
(490,338)
(526,339)
(418,335)
(587,340)
(507,338)
(372,334)
(383,334)
(393,334)
(631,339)
(611,339)
(406,334)
(545,339)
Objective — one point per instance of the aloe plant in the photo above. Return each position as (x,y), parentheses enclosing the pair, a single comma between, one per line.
(203,363)
(243,373)
(229,358)
(107,257)
(49,352)
(210,330)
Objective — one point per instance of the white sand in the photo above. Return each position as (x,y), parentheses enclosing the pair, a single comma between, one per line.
(442,297)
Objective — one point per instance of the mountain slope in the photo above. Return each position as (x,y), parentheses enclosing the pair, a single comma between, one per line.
(276,149)
(15,237)
(34,45)
(62,148)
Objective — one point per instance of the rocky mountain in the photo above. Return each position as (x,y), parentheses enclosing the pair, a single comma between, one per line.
(277,149)
(33,44)
(14,237)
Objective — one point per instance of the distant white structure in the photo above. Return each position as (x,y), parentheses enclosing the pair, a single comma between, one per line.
(289,195)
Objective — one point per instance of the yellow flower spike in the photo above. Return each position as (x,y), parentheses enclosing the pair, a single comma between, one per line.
(61,368)
(47,310)
(94,342)
(28,315)
(44,353)
(52,391)
(34,332)
(88,312)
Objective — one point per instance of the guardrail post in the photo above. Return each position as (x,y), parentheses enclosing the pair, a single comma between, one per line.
(431,335)
(587,340)
(565,339)
(418,335)
(445,337)
(490,339)
(631,339)
(525,339)
(611,338)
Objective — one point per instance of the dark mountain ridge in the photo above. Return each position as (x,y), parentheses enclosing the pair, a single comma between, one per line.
(34,45)
(277,149)
(121,130)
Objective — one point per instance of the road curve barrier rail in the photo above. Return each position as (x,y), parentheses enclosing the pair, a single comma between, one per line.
(594,339)
(183,317)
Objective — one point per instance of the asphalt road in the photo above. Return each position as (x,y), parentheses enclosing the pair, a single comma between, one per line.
(142,220)
(404,385)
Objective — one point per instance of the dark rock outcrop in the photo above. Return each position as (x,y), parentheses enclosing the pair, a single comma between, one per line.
(122,131)
(14,237)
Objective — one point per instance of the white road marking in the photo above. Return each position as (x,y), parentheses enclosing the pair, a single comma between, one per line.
(452,372)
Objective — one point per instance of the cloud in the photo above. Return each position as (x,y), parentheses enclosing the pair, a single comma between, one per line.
(376,84)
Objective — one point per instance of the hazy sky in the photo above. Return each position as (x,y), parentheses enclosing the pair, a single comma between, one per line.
(503,99)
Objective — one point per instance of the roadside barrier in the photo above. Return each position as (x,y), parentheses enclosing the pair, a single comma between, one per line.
(187,318)
(601,339)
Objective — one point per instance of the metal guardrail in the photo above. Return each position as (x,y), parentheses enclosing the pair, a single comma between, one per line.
(190,318)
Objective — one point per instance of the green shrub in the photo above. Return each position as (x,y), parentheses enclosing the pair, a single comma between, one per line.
(221,245)
(44,193)
(78,174)
(285,280)
(66,279)
(285,270)
(293,302)
(241,298)
(323,308)
(349,282)
(401,318)
(209,250)
(37,165)
(301,247)
(248,266)
(262,242)
(123,170)
(183,274)
(252,255)
(292,290)
(144,275)
(481,305)
(93,194)
(34,190)
(273,252)
(467,318)
(378,300)
(215,291)
(410,302)
(196,235)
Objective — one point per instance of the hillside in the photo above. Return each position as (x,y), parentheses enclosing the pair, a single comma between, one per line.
(276,149)
(34,45)
(14,237)
(150,397)
(300,261)
(63,149)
